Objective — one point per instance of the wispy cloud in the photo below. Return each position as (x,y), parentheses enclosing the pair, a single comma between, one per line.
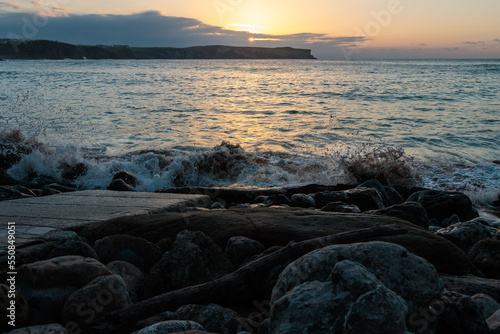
(496,40)
(473,43)
(9,5)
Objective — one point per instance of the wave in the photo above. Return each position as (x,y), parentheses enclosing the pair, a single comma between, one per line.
(34,164)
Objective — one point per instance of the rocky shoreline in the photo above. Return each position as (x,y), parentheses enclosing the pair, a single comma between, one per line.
(364,258)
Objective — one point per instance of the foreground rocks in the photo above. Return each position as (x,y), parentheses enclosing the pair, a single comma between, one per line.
(418,282)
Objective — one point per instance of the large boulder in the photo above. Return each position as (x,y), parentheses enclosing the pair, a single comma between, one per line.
(366,198)
(389,195)
(471,285)
(96,299)
(193,259)
(46,284)
(6,179)
(239,249)
(411,277)
(171,326)
(212,317)
(485,255)
(279,227)
(413,212)
(460,315)
(487,304)
(465,235)
(442,204)
(337,305)
(494,323)
(141,253)
(73,247)
(303,201)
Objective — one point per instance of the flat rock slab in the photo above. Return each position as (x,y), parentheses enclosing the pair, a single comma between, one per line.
(37,216)
(274,227)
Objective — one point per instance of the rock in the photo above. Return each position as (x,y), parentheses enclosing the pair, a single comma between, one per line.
(47,191)
(277,199)
(341,207)
(61,236)
(239,249)
(61,188)
(217,206)
(485,255)
(141,253)
(472,285)
(73,247)
(497,235)
(323,198)
(460,315)
(365,198)
(465,235)
(100,297)
(384,191)
(72,173)
(15,192)
(487,304)
(20,312)
(260,199)
(165,244)
(279,227)
(131,275)
(193,259)
(127,177)
(46,284)
(337,305)
(6,179)
(303,201)
(212,317)
(120,185)
(442,204)
(172,326)
(410,276)
(411,211)
(494,323)
(43,329)
(454,219)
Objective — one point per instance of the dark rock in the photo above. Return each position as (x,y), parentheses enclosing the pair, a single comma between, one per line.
(239,249)
(172,326)
(165,244)
(131,275)
(411,277)
(260,199)
(338,304)
(37,181)
(365,198)
(5,179)
(100,297)
(485,255)
(465,235)
(497,235)
(487,304)
(217,206)
(383,190)
(164,316)
(394,197)
(277,199)
(303,201)
(141,253)
(193,259)
(127,177)
(120,185)
(46,284)
(20,313)
(73,247)
(411,211)
(494,323)
(42,329)
(341,207)
(15,192)
(472,285)
(323,198)
(212,317)
(279,227)
(46,191)
(72,173)
(61,188)
(442,204)
(454,219)
(460,315)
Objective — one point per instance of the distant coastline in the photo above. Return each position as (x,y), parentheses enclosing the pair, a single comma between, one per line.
(43,49)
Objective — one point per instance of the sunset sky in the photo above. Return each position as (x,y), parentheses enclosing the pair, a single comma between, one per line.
(333,29)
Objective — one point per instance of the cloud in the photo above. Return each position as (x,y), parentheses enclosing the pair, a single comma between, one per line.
(9,5)
(473,43)
(422,44)
(152,29)
(496,40)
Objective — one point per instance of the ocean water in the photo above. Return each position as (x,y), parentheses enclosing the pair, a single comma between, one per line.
(432,123)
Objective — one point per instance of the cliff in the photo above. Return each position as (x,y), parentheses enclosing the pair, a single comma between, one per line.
(41,49)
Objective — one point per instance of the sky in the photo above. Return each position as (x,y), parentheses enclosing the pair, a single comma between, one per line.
(332,29)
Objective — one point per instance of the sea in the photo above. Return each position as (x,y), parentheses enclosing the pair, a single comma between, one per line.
(257,123)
